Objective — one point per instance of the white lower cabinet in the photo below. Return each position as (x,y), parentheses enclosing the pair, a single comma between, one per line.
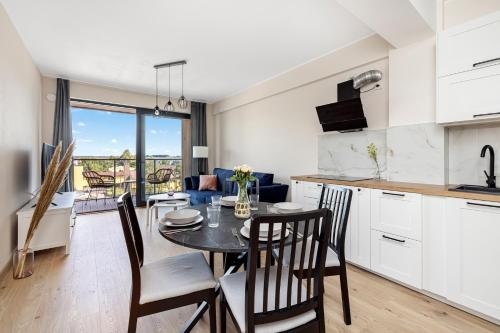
(397,257)
(359,227)
(473,255)
(306,193)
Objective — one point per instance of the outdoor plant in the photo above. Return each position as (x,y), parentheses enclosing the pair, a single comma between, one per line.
(372,153)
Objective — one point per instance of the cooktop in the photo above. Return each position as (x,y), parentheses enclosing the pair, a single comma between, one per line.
(340,178)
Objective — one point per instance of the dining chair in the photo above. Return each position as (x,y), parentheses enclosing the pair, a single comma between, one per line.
(338,200)
(273,298)
(165,284)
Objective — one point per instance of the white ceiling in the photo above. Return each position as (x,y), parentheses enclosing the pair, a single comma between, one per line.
(229,44)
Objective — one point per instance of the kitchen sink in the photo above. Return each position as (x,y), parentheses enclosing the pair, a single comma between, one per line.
(476,189)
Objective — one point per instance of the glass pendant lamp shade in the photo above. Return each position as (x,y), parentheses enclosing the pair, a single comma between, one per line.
(183,103)
(169,106)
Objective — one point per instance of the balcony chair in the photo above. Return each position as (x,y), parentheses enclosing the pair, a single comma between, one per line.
(161,176)
(98,182)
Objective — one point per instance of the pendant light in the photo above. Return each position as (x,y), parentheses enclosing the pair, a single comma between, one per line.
(157,108)
(169,106)
(183,104)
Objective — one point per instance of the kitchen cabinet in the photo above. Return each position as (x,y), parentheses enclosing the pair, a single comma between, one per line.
(397,257)
(434,244)
(468,71)
(469,46)
(469,97)
(473,251)
(359,227)
(306,193)
(397,213)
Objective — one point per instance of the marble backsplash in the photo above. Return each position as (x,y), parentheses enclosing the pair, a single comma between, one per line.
(417,154)
(414,153)
(465,143)
(345,154)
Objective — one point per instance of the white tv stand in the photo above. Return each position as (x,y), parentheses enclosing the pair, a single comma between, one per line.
(55,229)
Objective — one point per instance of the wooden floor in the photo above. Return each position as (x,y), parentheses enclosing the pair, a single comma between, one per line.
(88,291)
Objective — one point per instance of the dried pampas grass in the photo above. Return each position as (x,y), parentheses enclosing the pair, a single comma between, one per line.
(54,179)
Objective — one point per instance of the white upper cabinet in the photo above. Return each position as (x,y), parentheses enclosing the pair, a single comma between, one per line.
(398,213)
(468,70)
(469,46)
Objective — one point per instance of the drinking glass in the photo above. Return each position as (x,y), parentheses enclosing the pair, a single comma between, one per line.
(216,200)
(213,215)
(254,201)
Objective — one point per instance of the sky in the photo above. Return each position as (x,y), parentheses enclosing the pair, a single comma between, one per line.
(103,133)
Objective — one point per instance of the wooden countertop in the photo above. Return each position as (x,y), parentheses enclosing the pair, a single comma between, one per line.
(436,190)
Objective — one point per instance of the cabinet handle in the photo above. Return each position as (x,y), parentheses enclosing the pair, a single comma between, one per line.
(482,205)
(486,114)
(394,239)
(396,194)
(485,62)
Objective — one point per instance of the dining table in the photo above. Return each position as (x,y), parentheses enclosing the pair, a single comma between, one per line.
(219,239)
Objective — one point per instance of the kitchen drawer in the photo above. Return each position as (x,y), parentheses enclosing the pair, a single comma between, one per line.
(397,257)
(312,190)
(398,213)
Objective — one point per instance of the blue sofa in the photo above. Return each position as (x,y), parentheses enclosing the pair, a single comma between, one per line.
(269,191)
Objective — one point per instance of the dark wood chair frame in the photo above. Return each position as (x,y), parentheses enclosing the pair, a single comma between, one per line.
(338,200)
(311,269)
(135,247)
(98,182)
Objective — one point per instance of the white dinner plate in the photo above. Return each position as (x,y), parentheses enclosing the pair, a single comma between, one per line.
(182,216)
(245,232)
(169,224)
(229,201)
(288,207)
(264,227)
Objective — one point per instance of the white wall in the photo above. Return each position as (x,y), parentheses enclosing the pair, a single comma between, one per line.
(412,86)
(277,130)
(459,11)
(20,89)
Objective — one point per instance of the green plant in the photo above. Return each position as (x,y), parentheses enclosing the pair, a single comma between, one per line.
(372,153)
(242,174)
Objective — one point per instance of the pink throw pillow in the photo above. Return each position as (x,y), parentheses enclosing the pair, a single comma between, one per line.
(208,183)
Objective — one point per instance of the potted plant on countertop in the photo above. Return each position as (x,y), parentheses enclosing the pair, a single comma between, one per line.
(372,152)
(56,174)
(242,175)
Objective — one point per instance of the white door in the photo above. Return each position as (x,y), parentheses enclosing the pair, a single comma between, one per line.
(359,224)
(397,257)
(398,213)
(473,250)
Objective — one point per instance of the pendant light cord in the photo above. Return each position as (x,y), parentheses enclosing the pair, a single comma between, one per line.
(169,83)
(156,86)
(182,80)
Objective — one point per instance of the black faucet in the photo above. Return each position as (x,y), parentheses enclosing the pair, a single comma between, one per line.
(490,179)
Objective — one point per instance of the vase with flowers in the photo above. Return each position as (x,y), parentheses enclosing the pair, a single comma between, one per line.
(372,153)
(242,175)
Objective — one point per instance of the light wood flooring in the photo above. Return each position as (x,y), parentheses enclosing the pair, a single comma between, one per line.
(88,291)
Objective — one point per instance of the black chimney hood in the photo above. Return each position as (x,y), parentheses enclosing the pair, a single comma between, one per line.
(345,115)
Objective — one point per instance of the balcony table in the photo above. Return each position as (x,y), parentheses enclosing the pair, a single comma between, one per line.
(164,197)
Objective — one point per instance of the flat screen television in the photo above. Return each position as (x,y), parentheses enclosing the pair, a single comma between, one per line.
(47,153)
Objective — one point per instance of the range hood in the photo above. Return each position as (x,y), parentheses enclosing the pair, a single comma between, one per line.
(342,116)
(347,114)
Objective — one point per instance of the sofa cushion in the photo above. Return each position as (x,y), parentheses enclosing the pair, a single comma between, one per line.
(208,183)
(222,175)
(265,179)
(195,182)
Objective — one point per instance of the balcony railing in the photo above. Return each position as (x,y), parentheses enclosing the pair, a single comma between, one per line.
(123,172)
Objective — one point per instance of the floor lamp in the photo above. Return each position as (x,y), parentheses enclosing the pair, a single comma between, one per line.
(200,152)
